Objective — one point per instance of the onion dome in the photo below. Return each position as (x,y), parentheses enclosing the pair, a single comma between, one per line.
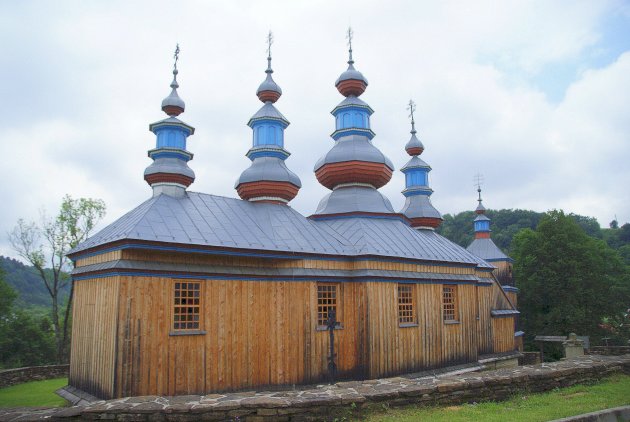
(353,168)
(418,208)
(169,173)
(269,89)
(268,179)
(351,82)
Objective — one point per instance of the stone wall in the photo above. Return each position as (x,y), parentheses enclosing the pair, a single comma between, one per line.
(609,350)
(344,399)
(15,376)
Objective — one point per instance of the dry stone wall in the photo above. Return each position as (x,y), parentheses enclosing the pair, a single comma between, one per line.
(9,377)
(344,399)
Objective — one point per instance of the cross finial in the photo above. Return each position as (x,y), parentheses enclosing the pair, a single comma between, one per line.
(412,108)
(349,36)
(176,56)
(478,179)
(269,42)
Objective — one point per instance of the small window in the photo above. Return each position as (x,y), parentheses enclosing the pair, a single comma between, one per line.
(186,310)
(327,303)
(406,314)
(449,303)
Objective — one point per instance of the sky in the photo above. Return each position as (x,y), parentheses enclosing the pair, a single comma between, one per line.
(533,95)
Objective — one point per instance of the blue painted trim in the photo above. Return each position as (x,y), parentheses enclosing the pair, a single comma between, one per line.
(162,274)
(160,126)
(352,131)
(510,289)
(519,333)
(417,191)
(279,256)
(352,107)
(253,155)
(170,154)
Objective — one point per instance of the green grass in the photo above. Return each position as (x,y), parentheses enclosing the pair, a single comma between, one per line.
(34,394)
(560,403)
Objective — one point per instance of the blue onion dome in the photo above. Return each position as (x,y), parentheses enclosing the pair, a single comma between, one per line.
(173,105)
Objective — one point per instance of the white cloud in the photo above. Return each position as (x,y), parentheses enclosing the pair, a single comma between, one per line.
(84,80)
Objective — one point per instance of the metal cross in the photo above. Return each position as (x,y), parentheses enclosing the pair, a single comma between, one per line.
(478,179)
(412,108)
(176,55)
(349,37)
(269,42)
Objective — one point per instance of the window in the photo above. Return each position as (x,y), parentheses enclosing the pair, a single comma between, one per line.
(327,303)
(186,310)
(406,314)
(449,303)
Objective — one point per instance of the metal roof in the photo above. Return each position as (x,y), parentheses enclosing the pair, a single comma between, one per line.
(486,249)
(419,206)
(216,221)
(354,199)
(267,111)
(268,168)
(354,148)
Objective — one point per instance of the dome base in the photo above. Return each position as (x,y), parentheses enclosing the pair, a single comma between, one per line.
(350,87)
(429,222)
(267,189)
(334,174)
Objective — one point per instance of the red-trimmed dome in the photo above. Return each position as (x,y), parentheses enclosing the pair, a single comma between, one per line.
(432,222)
(334,174)
(268,191)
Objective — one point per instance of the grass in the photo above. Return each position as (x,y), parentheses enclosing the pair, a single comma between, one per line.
(559,403)
(34,394)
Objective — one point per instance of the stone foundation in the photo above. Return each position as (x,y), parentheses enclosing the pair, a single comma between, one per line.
(344,399)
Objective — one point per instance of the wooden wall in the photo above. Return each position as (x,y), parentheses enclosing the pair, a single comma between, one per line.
(94,328)
(260,333)
(503,334)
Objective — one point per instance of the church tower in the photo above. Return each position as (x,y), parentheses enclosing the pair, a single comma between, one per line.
(354,168)
(418,208)
(485,248)
(268,179)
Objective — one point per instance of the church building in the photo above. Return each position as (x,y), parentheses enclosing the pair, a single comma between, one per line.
(194,293)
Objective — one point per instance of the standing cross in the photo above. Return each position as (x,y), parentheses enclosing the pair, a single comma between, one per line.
(269,42)
(176,55)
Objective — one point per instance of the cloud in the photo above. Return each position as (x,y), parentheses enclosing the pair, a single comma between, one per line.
(83,81)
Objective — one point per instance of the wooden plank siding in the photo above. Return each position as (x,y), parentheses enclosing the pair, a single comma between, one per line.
(503,338)
(262,333)
(94,327)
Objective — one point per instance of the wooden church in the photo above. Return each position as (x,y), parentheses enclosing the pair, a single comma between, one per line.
(193,293)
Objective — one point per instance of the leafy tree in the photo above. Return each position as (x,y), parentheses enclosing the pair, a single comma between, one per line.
(614,224)
(24,340)
(568,281)
(48,243)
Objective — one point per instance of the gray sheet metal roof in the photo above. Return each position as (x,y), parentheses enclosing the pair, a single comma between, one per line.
(394,238)
(216,221)
(354,199)
(209,220)
(351,148)
(486,249)
(268,168)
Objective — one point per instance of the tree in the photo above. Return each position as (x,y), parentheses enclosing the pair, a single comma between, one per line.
(48,243)
(568,281)
(24,340)
(614,224)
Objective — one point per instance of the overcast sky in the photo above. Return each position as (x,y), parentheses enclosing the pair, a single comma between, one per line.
(535,95)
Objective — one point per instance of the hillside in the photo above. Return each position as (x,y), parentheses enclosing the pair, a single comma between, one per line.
(27,283)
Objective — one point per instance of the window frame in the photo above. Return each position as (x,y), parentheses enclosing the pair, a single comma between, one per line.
(338,305)
(410,320)
(453,300)
(180,291)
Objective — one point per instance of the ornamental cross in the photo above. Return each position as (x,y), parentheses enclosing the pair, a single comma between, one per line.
(269,42)
(349,37)
(478,179)
(412,108)
(176,55)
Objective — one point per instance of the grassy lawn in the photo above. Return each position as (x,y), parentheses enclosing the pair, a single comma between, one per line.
(612,392)
(35,393)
